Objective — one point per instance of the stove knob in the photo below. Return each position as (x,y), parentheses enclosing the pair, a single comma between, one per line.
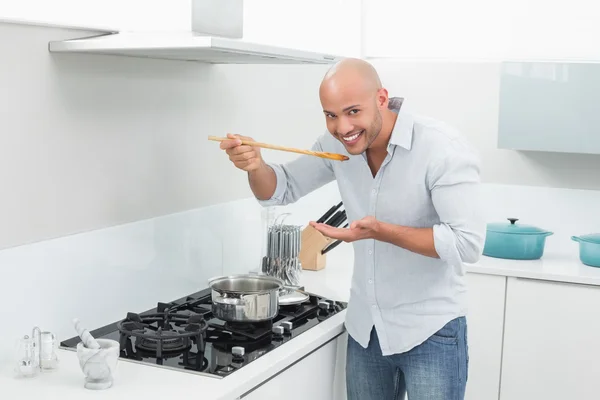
(287,326)
(278,330)
(238,352)
(323,305)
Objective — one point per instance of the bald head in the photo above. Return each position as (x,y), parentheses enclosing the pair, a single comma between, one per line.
(354,103)
(351,71)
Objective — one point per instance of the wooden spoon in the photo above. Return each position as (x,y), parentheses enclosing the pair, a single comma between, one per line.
(330,156)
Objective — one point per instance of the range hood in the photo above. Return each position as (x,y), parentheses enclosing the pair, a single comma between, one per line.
(216,37)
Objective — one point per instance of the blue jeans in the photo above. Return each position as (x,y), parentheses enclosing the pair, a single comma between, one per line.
(435,370)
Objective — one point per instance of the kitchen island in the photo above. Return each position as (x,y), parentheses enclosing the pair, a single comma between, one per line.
(526,318)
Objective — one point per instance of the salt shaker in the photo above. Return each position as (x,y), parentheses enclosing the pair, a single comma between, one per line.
(27,363)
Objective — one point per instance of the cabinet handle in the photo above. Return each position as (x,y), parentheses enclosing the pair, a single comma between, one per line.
(556,282)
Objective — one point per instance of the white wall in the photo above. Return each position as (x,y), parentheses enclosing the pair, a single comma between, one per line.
(113,198)
(330,26)
(94,141)
(144,15)
(465,94)
(482,30)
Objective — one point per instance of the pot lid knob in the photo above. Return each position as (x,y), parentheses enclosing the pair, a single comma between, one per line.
(513,220)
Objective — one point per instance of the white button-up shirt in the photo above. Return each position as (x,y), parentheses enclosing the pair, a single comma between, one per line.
(429,179)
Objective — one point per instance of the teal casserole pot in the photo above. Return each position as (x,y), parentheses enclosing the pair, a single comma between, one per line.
(515,241)
(589,249)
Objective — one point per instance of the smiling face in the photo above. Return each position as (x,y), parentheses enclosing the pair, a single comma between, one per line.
(352,104)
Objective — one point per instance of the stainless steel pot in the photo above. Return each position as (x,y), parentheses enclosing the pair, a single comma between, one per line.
(245,298)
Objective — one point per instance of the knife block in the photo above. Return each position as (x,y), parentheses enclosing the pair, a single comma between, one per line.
(313,242)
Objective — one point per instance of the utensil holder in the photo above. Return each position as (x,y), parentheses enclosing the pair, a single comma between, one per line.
(281,253)
(313,242)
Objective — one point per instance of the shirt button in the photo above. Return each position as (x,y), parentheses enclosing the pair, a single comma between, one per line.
(370,251)
(374,191)
(374,306)
(370,280)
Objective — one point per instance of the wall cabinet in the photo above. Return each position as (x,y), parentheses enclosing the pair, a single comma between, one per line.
(549,107)
(551,341)
(484,333)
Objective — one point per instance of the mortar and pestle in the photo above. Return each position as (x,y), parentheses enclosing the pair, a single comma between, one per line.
(97,358)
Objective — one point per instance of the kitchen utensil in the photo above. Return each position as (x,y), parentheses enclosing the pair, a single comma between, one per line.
(589,249)
(98,365)
(329,212)
(290,296)
(330,156)
(86,337)
(245,298)
(332,245)
(338,220)
(282,254)
(515,241)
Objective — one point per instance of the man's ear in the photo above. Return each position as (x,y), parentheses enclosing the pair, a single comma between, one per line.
(382,98)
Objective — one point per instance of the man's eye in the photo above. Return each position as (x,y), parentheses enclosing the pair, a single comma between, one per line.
(330,116)
(355,111)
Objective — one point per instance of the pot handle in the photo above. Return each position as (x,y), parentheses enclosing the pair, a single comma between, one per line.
(548,233)
(576,238)
(236,301)
(513,220)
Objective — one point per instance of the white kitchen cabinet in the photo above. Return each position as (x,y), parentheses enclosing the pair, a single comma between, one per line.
(551,341)
(327,26)
(560,101)
(484,334)
(315,377)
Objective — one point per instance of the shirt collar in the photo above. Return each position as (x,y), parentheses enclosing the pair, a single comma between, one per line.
(402,133)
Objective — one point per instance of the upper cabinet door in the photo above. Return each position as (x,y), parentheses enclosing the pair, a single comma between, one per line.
(328,26)
(482,30)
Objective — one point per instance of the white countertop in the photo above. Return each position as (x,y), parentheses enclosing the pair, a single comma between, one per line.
(134,380)
(551,267)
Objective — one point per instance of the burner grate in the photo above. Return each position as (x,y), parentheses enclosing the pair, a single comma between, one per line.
(154,334)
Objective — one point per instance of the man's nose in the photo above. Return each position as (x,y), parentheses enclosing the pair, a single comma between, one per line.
(344,126)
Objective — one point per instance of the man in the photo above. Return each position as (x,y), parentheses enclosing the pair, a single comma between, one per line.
(410,192)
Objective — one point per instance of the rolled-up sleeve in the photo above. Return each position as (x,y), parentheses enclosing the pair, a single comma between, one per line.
(455,192)
(299,177)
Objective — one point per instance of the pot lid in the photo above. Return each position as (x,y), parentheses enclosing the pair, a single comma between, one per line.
(290,297)
(591,237)
(513,227)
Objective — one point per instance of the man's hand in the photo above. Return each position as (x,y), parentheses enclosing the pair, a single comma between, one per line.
(417,240)
(365,228)
(246,158)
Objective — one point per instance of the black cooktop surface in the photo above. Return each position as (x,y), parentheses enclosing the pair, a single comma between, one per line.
(184,334)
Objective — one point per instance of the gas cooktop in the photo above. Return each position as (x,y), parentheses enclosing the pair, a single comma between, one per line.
(184,334)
